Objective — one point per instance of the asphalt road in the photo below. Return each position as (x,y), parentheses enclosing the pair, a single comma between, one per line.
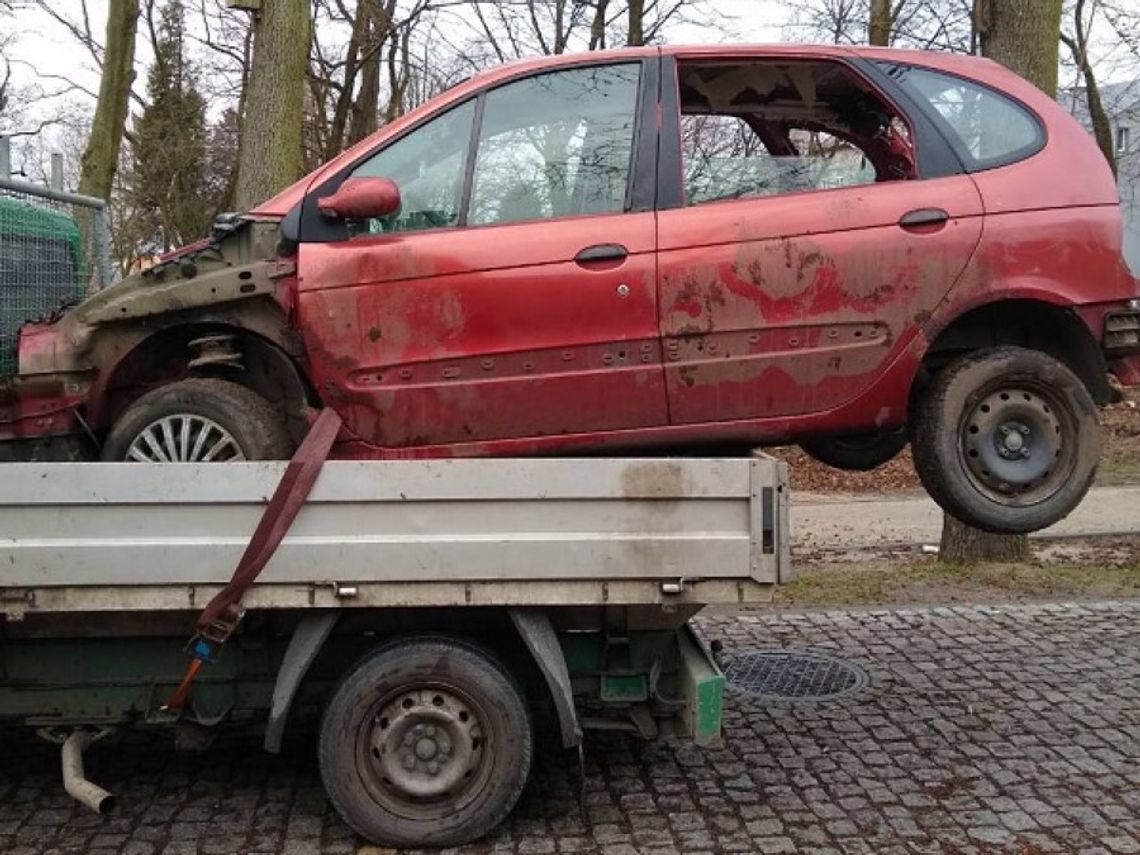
(867,521)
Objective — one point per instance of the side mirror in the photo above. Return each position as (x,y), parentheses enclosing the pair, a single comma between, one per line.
(361,199)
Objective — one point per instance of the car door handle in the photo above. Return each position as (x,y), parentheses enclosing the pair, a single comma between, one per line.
(923,217)
(602,252)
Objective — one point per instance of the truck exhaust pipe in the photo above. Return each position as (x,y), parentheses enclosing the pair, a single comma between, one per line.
(77,786)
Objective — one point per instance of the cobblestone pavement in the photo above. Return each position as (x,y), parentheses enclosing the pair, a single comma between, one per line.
(983,729)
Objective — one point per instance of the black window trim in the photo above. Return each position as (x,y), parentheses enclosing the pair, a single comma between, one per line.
(970,164)
(469,162)
(670,166)
(305,224)
(934,157)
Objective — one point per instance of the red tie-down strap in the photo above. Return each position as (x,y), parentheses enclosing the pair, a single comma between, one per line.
(221,615)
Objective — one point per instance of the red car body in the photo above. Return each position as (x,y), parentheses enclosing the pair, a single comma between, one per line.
(749,320)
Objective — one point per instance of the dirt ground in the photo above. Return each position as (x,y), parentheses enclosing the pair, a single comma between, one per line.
(1120,463)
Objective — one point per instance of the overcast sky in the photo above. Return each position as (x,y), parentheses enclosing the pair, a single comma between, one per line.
(42,47)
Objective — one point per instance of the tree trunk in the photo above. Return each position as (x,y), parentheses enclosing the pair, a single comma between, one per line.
(364,108)
(963,544)
(1098,116)
(399,74)
(100,158)
(1101,124)
(879,24)
(598,26)
(270,155)
(1024,37)
(636,36)
(344,100)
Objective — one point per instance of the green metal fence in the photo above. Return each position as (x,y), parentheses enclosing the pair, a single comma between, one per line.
(54,249)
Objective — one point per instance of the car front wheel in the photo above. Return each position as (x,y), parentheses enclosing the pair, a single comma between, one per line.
(199,420)
(1007,440)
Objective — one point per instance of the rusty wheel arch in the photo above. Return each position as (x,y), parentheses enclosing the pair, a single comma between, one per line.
(156,356)
(1036,324)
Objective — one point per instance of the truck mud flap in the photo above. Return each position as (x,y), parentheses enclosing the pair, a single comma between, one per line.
(702,687)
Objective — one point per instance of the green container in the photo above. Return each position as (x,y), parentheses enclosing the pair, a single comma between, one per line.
(41,268)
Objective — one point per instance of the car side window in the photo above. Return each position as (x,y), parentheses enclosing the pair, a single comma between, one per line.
(763,128)
(427,165)
(556,145)
(990,128)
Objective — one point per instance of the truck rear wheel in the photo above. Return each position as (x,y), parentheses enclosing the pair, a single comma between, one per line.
(426,742)
(199,420)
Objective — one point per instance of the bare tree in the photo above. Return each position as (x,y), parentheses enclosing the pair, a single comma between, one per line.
(924,24)
(375,76)
(1083,15)
(270,147)
(101,157)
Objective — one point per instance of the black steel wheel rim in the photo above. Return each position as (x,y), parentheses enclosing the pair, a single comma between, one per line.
(1018,442)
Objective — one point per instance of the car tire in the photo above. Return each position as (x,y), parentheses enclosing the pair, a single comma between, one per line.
(1006,439)
(427,742)
(198,420)
(857,453)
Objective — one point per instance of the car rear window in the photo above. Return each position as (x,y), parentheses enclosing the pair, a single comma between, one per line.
(986,128)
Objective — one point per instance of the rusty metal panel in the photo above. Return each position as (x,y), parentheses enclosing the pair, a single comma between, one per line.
(522,529)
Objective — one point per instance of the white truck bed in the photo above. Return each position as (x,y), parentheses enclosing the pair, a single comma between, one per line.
(110,537)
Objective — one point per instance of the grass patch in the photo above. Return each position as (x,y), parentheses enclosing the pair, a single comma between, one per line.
(1118,467)
(930,581)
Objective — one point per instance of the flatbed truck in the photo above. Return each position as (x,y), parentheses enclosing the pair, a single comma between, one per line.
(423,610)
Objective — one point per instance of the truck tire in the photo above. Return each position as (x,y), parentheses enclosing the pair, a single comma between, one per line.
(426,742)
(1006,439)
(198,420)
(860,453)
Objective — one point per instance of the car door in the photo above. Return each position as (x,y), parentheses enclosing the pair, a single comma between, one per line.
(514,294)
(806,243)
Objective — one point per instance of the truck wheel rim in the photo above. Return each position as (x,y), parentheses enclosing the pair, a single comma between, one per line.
(426,752)
(1016,444)
(184,438)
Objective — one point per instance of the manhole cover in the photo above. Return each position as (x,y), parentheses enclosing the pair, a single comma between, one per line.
(793,675)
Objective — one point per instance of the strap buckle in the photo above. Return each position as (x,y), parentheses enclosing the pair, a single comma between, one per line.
(206,644)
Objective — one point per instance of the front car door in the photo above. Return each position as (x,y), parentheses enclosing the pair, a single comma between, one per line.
(808,228)
(513,296)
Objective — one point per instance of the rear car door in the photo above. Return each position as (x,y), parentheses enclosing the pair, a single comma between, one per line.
(808,226)
(514,295)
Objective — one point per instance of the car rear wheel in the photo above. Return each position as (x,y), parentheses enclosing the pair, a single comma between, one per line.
(858,453)
(427,742)
(198,421)
(1007,440)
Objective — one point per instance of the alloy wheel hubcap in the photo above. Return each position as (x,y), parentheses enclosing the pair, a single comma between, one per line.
(184,438)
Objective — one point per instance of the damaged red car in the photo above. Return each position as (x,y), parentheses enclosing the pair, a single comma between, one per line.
(646,249)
